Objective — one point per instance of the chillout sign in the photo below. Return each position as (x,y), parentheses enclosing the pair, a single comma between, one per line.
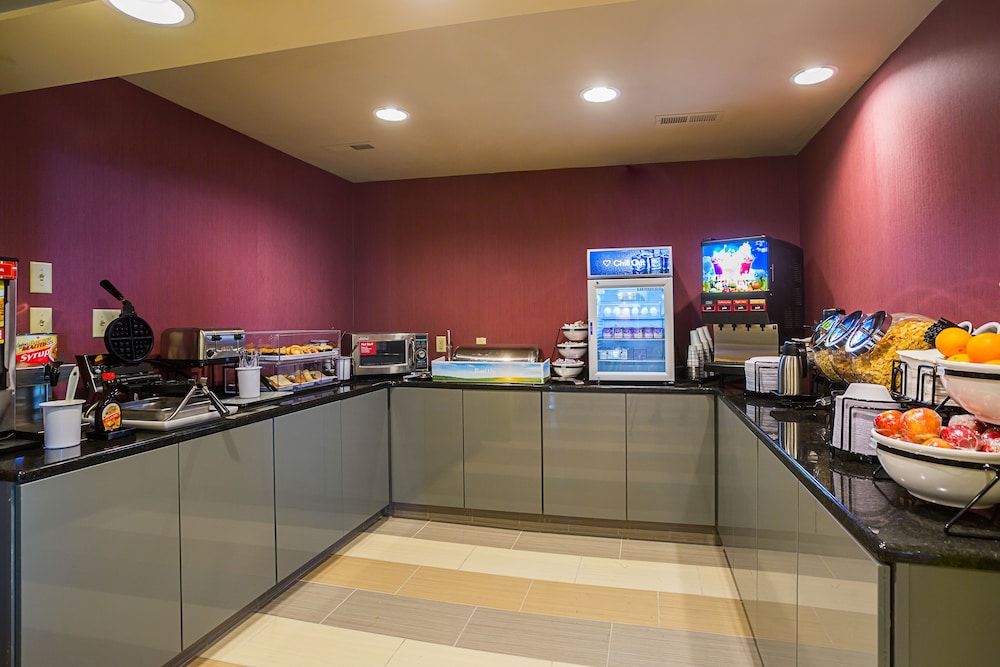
(619,262)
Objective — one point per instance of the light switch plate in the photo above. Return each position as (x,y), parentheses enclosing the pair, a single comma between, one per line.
(41,320)
(441,344)
(480,340)
(41,277)
(102,318)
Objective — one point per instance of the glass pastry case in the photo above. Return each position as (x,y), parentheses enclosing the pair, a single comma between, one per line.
(295,359)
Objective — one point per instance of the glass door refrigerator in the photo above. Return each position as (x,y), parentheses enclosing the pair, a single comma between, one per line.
(630,306)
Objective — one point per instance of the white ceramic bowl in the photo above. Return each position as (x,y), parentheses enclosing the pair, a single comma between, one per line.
(931,478)
(975,387)
(574,334)
(572,350)
(567,368)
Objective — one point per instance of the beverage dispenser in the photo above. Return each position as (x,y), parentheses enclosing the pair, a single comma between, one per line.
(752,294)
(8,344)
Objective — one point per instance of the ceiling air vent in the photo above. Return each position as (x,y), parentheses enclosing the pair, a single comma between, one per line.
(687,118)
(355,146)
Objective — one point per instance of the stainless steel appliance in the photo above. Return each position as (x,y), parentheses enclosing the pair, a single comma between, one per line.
(388,353)
(794,370)
(8,345)
(202,346)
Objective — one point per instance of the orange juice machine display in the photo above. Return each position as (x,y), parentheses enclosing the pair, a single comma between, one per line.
(752,295)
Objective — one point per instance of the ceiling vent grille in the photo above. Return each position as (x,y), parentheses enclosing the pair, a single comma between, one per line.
(354,146)
(688,118)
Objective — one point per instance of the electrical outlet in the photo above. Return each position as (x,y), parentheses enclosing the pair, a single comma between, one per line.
(441,344)
(480,340)
(41,320)
(41,278)
(102,318)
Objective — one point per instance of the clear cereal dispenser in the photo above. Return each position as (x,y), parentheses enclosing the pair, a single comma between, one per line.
(874,344)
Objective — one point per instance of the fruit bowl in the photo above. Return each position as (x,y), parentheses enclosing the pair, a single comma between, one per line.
(567,368)
(975,387)
(949,477)
(572,350)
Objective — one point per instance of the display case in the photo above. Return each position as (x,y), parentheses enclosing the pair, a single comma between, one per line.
(295,359)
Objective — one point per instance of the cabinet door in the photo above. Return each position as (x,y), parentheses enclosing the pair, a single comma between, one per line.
(843,596)
(774,624)
(227,524)
(503,450)
(737,500)
(308,507)
(671,458)
(583,455)
(427,446)
(100,564)
(365,458)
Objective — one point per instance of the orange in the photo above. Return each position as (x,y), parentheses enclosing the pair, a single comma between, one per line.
(983,347)
(952,341)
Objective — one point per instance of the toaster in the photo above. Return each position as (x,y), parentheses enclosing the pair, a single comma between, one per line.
(202,346)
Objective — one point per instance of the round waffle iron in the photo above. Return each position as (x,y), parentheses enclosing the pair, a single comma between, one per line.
(128,338)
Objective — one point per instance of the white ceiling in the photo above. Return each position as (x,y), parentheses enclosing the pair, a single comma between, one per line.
(492,85)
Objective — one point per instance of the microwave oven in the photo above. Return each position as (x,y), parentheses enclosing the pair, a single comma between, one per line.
(389,353)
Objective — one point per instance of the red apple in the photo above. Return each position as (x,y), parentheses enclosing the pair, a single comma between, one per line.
(989,440)
(889,423)
(919,424)
(962,437)
(967,420)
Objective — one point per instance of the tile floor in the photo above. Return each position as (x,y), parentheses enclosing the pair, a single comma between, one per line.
(411,592)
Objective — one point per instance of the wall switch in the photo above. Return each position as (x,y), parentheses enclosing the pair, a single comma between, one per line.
(102,318)
(41,277)
(41,320)
(441,344)
(480,340)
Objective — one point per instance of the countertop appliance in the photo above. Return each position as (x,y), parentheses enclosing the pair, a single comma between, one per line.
(630,297)
(202,346)
(752,294)
(8,345)
(388,353)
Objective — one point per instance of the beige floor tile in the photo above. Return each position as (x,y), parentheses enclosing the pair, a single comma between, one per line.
(471,588)
(698,613)
(399,616)
(523,564)
(673,552)
(208,662)
(639,575)
(421,654)
(576,545)
(408,550)
(500,538)
(400,527)
(595,602)
(307,601)
(717,582)
(243,632)
(639,646)
(364,573)
(286,642)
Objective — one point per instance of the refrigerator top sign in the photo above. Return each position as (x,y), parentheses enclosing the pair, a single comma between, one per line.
(630,262)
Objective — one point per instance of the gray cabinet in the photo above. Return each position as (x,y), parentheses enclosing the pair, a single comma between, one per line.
(671,458)
(427,450)
(365,456)
(843,599)
(226,523)
(583,455)
(777,554)
(503,450)
(737,504)
(100,564)
(308,503)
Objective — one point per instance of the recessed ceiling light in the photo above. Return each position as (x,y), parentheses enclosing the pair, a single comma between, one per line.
(389,113)
(160,12)
(812,75)
(600,94)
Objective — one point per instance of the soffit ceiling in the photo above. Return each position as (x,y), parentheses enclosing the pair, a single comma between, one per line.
(491,85)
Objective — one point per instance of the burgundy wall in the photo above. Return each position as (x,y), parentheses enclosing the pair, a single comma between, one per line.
(197,225)
(504,255)
(900,192)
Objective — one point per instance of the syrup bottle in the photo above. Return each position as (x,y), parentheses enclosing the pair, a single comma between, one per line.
(108,416)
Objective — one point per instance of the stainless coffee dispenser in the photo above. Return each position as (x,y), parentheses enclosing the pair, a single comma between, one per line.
(794,370)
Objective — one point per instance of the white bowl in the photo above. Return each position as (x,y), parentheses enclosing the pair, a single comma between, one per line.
(567,370)
(932,478)
(975,387)
(575,334)
(572,350)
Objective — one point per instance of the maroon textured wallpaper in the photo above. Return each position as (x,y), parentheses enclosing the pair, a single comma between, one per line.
(900,191)
(196,224)
(504,255)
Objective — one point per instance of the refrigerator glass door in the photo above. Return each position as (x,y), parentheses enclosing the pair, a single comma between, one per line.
(632,335)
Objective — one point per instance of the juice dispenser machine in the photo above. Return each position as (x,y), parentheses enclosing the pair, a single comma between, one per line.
(8,345)
(752,294)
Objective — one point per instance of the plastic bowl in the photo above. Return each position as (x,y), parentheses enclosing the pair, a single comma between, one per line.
(567,368)
(575,334)
(975,387)
(934,477)
(572,350)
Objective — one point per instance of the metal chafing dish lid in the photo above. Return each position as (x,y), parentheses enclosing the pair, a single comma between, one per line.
(506,353)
